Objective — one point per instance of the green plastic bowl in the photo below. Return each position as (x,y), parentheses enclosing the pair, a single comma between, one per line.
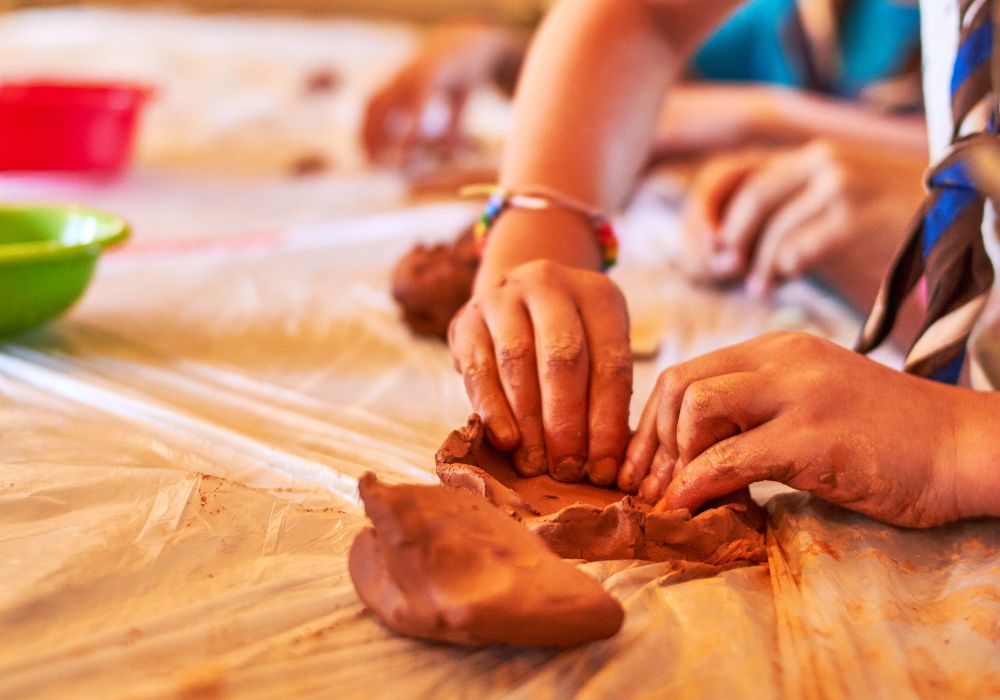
(47,257)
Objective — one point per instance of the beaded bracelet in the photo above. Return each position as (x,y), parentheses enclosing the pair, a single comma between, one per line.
(537,198)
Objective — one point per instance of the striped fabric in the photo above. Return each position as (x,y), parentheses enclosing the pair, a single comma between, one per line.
(946,245)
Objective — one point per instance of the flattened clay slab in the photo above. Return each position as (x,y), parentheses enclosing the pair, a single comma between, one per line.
(582,521)
(446,565)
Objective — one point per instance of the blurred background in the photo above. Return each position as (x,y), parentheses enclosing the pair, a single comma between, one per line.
(518,11)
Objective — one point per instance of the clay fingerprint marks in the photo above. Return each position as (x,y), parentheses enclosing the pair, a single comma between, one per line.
(443,564)
(582,521)
(731,531)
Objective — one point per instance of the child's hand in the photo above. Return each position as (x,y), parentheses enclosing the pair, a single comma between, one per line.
(800,410)
(451,65)
(544,351)
(768,215)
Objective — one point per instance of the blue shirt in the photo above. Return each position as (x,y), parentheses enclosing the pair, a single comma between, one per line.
(877,39)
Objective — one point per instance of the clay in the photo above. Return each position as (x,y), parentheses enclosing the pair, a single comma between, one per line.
(447,565)
(321,81)
(308,164)
(583,521)
(431,283)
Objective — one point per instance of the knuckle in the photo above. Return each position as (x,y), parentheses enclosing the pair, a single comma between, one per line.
(804,342)
(475,369)
(613,366)
(514,354)
(671,383)
(538,270)
(720,459)
(698,399)
(457,328)
(562,352)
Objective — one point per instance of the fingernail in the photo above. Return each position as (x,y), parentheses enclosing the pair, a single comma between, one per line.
(568,469)
(626,477)
(604,471)
(649,492)
(500,433)
(530,461)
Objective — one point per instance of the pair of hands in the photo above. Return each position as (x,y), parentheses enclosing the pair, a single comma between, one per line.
(544,352)
(792,408)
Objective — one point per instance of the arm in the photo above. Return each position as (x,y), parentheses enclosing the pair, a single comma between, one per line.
(543,343)
(711,116)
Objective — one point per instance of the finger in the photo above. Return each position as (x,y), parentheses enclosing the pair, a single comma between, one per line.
(718,408)
(641,447)
(804,209)
(561,354)
(453,130)
(473,350)
(514,343)
(697,246)
(712,189)
(810,244)
(727,466)
(374,127)
(605,322)
(660,473)
(710,410)
(716,182)
(659,421)
(760,195)
(412,132)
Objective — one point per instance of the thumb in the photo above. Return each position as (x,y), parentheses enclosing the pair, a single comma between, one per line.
(729,465)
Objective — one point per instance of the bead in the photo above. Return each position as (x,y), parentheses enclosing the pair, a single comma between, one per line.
(500,199)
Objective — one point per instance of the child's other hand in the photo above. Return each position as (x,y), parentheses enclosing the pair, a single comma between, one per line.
(800,410)
(767,215)
(451,65)
(544,351)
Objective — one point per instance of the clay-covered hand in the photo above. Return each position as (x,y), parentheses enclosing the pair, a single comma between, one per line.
(800,410)
(449,66)
(768,215)
(544,352)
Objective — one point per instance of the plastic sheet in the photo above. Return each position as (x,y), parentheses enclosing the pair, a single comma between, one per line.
(180,454)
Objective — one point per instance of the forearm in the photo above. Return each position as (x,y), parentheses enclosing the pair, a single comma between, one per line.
(586,111)
(800,116)
(977,454)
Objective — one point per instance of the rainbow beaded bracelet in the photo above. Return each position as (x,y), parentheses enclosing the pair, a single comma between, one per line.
(500,199)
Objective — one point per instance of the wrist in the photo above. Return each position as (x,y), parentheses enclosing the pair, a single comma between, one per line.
(520,236)
(976,466)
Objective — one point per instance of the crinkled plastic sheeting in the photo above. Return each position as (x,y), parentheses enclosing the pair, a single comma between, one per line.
(179,466)
(178,492)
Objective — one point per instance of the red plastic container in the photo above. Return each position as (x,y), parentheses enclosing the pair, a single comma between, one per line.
(63,126)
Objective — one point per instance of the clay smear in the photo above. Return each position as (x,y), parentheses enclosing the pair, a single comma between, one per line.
(446,565)
(582,521)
